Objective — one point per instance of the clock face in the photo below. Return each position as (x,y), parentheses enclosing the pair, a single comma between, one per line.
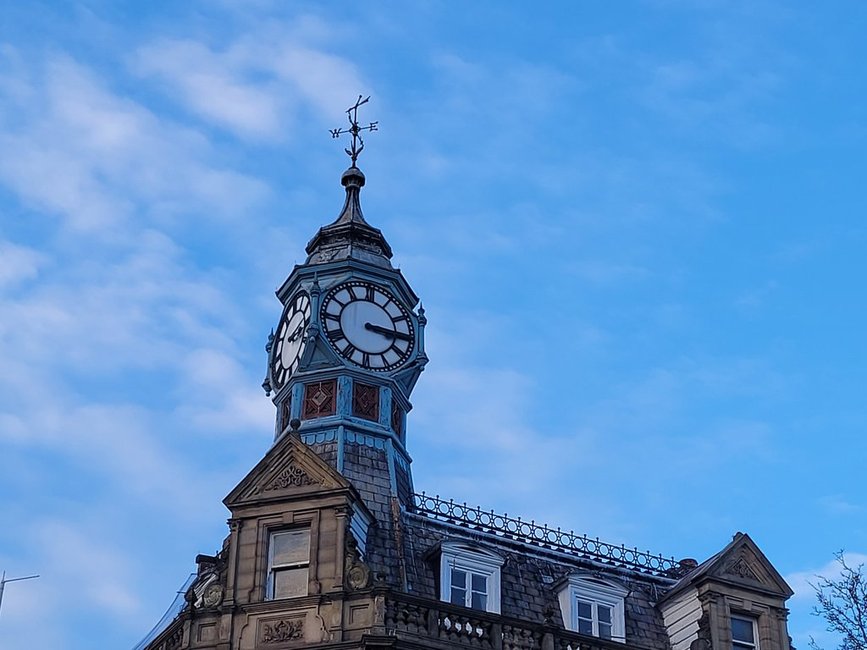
(286,350)
(367,325)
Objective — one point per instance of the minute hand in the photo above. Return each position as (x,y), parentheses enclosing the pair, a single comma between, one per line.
(387,332)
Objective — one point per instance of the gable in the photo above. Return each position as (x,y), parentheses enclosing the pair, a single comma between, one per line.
(289,469)
(746,565)
(741,564)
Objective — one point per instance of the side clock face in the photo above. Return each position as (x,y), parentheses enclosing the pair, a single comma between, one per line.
(286,350)
(367,325)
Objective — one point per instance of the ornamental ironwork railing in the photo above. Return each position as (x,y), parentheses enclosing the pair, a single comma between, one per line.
(540,535)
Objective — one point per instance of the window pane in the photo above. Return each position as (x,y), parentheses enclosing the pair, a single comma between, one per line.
(604,630)
(290,583)
(459,579)
(290,548)
(742,630)
(459,596)
(480,583)
(585,610)
(480,601)
(585,626)
(604,613)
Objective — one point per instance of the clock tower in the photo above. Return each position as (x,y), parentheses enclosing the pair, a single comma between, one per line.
(348,350)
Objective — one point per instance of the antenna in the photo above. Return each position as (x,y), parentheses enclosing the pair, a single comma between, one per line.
(4,580)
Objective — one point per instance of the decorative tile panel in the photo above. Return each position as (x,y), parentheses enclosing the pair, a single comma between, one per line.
(365,401)
(319,399)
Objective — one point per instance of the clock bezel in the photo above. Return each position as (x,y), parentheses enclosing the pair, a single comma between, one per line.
(335,334)
(289,311)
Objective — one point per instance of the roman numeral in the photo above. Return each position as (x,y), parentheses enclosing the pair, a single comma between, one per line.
(368,293)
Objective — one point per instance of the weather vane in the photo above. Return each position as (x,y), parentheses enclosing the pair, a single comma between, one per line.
(357,143)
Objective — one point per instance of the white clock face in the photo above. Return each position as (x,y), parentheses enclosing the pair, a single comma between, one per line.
(286,352)
(367,325)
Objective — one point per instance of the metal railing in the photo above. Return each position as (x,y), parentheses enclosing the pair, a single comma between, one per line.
(540,535)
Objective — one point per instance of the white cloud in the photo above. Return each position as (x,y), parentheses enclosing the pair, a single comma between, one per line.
(18,263)
(800,581)
(77,561)
(836,504)
(221,396)
(211,85)
(255,88)
(97,158)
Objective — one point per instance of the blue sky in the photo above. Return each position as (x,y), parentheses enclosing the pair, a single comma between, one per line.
(637,229)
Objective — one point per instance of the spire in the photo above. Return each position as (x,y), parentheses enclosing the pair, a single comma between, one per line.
(350,236)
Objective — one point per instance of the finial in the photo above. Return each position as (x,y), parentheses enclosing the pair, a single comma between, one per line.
(270,341)
(357,145)
(266,386)
(294,425)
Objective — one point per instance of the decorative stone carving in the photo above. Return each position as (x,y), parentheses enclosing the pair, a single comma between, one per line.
(356,573)
(292,476)
(742,569)
(289,629)
(358,576)
(213,595)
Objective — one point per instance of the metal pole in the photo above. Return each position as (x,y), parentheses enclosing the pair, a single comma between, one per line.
(4,580)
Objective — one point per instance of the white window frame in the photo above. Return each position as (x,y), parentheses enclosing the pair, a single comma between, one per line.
(743,644)
(474,561)
(597,592)
(269,590)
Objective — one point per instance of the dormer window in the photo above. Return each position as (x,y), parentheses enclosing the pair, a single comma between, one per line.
(593,606)
(470,577)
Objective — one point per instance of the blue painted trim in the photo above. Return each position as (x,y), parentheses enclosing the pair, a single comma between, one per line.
(341,436)
(392,475)
(319,437)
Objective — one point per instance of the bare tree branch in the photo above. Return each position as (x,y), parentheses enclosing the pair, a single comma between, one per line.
(842,602)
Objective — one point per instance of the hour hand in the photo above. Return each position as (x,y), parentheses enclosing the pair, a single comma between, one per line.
(298,331)
(385,331)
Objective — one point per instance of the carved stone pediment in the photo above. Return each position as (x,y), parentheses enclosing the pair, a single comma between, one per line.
(743,563)
(740,568)
(289,468)
(291,476)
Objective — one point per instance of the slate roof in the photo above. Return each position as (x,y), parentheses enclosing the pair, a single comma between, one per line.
(530,577)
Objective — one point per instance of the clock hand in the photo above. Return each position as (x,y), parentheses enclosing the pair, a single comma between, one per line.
(387,332)
(295,334)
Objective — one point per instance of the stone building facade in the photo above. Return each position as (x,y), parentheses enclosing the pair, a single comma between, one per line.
(330,547)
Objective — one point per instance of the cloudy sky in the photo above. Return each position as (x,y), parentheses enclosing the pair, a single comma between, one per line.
(637,228)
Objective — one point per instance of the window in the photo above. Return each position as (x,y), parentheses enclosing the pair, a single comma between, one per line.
(593,606)
(594,618)
(743,633)
(319,399)
(288,563)
(468,588)
(365,401)
(470,577)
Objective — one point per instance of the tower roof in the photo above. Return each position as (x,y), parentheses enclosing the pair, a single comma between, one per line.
(350,236)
